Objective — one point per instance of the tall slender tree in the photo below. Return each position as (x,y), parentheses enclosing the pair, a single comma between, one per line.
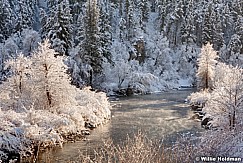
(5,18)
(206,67)
(91,44)
(58,26)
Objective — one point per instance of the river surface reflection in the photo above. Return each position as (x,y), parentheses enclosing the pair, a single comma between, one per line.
(161,116)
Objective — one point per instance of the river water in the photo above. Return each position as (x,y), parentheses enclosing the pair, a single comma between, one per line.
(160,116)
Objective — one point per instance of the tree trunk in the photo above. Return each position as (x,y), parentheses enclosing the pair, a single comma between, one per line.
(48,95)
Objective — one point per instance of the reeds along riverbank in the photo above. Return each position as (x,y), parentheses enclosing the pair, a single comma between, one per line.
(139,149)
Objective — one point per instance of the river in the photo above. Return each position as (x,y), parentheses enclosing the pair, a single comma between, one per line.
(160,116)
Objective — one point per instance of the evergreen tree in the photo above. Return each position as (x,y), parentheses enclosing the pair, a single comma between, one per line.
(218,38)
(80,29)
(144,13)
(227,23)
(25,14)
(5,18)
(91,45)
(45,26)
(173,26)
(188,29)
(239,31)
(207,30)
(130,21)
(105,31)
(60,28)
(163,11)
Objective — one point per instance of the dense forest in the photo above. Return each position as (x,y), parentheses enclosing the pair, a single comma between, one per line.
(108,44)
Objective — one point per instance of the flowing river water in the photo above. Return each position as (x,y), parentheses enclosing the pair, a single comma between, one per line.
(160,116)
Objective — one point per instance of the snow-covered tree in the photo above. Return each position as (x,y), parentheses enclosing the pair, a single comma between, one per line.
(130,19)
(58,26)
(225,104)
(30,41)
(188,29)
(206,67)
(218,38)
(5,18)
(143,12)
(207,30)
(39,104)
(10,49)
(40,82)
(50,72)
(25,10)
(105,30)
(13,90)
(90,47)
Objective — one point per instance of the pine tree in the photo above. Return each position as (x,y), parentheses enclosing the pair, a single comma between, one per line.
(239,31)
(45,26)
(206,67)
(188,29)
(130,21)
(5,18)
(227,23)
(144,12)
(59,26)
(163,11)
(80,29)
(25,15)
(105,31)
(173,26)
(91,45)
(207,30)
(217,31)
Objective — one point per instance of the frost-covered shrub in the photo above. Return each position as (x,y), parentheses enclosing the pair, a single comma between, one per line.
(199,98)
(10,49)
(145,82)
(225,104)
(39,105)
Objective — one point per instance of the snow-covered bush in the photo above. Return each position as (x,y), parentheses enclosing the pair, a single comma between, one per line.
(30,39)
(145,82)
(39,105)
(199,98)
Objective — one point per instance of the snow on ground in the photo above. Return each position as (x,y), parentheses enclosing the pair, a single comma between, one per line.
(21,131)
(185,83)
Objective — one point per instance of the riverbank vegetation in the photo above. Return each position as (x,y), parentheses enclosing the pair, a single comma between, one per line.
(139,148)
(220,98)
(39,108)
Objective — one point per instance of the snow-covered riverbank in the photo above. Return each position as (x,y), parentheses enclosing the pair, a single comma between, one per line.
(22,132)
(39,108)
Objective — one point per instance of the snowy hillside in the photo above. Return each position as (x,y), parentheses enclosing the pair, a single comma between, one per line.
(111,45)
